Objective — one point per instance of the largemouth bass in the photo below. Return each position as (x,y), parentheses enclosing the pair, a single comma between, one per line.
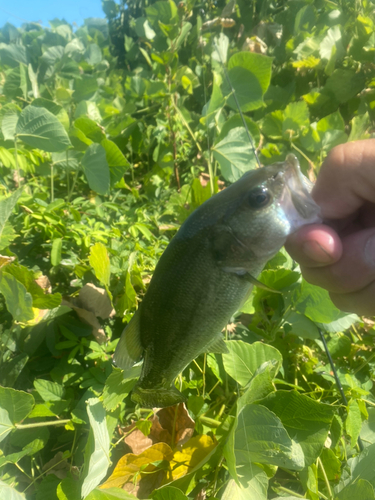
(207,272)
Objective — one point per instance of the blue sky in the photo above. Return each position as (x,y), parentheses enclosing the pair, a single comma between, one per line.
(17,12)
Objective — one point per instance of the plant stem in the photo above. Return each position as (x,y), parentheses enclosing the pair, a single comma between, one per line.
(42,424)
(287,490)
(320,464)
(52,186)
(73,185)
(17,165)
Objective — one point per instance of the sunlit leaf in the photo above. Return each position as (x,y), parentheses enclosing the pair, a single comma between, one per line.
(39,128)
(97,458)
(99,260)
(244,359)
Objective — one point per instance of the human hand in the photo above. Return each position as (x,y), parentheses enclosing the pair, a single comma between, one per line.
(340,254)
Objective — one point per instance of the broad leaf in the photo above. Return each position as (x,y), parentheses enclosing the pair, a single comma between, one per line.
(96,168)
(19,302)
(9,493)
(308,421)
(250,75)
(99,261)
(18,404)
(97,458)
(116,389)
(234,154)
(49,391)
(39,128)
(6,425)
(244,359)
(261,437)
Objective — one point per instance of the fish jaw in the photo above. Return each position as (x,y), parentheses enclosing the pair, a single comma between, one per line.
(296,202)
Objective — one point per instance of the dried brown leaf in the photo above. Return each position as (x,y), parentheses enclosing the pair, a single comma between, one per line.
(44,283)
(184,424)
(96,300)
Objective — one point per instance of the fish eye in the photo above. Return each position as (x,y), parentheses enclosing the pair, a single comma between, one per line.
(259,197)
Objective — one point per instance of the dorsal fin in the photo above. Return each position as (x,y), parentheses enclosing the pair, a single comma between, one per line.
(129,350)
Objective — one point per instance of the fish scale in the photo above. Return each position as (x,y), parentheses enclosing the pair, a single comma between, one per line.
(207,272)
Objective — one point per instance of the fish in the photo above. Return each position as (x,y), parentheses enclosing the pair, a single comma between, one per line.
(207,272)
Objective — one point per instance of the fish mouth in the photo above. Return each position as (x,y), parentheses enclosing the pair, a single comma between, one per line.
(296,200)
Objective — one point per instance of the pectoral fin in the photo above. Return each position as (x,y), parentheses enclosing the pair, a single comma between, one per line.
(159,397)
(129,350)
(248,277)
(258,283)
(217,346)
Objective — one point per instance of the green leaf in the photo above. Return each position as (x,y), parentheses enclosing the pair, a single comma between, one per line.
(169,493)
(117,162)
(143,28)
(68,160)
(56,251)
(97,448)
(260,385)
(9,493)
(96,168)
(220,49)
(234,154)
(344,84)
(26,277)
(49,391)
(69,489)
(360,127)
(39,128)
(13,54)
(253,485)
(13,458)
(7,236)
(250,75)
(85,87)
(19,302)
(110,494)
(235,121)
(360,489)
(244,359)
(6,208)
(93,54)
(8,124)
(296,118)
(47,488)
(164,11)
(362,466)
(16,83)
(331,464)
(6,425)
(316,304)
(305,419)
(99,261)
(116,389)
(18,404)
(11,369)
(55,109)
(300,325)
(368,427)
(261,437)
(353,422)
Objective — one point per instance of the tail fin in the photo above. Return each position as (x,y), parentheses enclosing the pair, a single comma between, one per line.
(158,397)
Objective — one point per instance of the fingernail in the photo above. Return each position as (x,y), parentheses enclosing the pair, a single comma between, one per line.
(370,251)
(316,252)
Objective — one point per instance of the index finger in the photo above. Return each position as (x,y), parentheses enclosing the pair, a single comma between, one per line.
(346,179)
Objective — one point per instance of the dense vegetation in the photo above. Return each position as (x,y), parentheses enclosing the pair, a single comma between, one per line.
(110,135)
